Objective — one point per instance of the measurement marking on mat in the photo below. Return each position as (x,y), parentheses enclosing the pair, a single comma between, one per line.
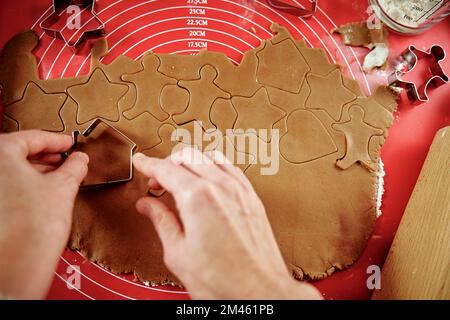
(197,44)
(197,33)
(197,22)
(197,12)
(197,19)
(195,2)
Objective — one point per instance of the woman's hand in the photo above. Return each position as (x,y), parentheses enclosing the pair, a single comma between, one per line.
(221,245)
(37,193)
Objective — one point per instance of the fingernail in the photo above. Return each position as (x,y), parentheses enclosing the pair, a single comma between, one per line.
(139,156)
(83,156)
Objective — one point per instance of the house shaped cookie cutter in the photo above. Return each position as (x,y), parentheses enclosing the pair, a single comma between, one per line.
(407,61)
(58,7)
(87,132)
(295,10)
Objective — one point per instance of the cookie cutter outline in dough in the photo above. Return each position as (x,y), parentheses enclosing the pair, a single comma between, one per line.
(407,61)
(295,10)
(86,133)
(61,5)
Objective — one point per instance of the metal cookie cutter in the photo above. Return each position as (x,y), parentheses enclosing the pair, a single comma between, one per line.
(131,146)
(59,6)
(407,61)
(295,10)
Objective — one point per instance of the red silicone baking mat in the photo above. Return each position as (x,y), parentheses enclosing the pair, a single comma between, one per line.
(185,26)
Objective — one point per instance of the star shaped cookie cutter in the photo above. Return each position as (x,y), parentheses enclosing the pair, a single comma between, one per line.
(132,146)
(296,10)
(407,61)
(59,6)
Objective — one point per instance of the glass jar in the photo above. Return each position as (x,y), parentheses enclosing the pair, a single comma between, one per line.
(410,16)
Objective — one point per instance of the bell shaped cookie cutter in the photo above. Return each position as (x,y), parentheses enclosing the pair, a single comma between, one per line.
(59,6)
(295,10)
(407,61)
(131,146)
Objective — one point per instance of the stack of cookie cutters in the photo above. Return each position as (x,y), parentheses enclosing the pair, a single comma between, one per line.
(296,10)
(59,6)
(407,61)
(87,132)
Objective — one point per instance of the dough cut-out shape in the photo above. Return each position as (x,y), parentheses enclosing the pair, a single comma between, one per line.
(9,125)
(202,92)
(187,67)
(374,114)
(337,136)
(321,215)
(93,105)
(37,109)
(241,159)
(174,99)
(68,114)
(306,138)
(357,136)
(316,58)
(167,145)
(289,101)
(291,66)
(149,84)
(109,153)
(246,71)
(328,93)
(114,71)
(222,114)
(256,112)
(142,130)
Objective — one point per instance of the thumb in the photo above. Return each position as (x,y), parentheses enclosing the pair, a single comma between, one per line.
(72,172)
(165,221)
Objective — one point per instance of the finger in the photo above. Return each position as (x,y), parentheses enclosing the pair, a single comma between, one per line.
(54,159)
(165,221)
(72,172)
(204,167)
(222,162)
(156,192)
(172,177)
(32,142)
(153,184)
(43,168)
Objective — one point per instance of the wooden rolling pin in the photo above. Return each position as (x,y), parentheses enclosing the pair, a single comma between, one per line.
(418,263)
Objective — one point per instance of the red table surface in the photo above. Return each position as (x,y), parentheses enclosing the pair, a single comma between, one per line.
(135,26)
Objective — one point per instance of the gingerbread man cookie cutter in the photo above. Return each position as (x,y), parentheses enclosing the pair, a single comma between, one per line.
(131,148)
(295,10)
(59,6)
(407,61)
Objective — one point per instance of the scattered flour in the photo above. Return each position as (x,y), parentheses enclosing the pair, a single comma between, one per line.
(377,57)
(380,190)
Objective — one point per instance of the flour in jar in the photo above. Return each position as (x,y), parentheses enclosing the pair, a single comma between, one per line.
(411,13)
